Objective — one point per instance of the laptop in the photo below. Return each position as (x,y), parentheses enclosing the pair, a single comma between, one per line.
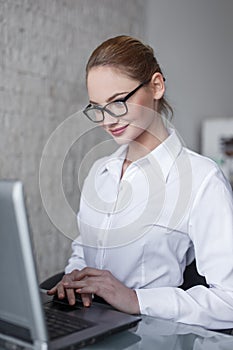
(26,314)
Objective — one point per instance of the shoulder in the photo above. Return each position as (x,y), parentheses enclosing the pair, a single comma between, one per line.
(202,166)
(200,160)
(207,176)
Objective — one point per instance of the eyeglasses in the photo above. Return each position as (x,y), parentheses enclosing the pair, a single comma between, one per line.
(117,108)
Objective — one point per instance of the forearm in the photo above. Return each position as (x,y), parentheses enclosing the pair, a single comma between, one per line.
(207,307)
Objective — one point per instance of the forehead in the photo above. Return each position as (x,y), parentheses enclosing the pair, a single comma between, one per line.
(105,81)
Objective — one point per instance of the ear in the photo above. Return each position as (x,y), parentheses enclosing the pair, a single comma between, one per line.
(158,86)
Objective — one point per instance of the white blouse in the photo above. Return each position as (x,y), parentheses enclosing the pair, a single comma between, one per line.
(170,207)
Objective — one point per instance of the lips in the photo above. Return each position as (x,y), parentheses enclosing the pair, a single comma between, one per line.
(118,131)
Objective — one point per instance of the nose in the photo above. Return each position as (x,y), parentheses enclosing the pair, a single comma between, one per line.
(109,119)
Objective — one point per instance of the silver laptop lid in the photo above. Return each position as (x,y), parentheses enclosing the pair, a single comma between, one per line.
(20,302)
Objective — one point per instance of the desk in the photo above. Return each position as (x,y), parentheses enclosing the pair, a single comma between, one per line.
(155,334)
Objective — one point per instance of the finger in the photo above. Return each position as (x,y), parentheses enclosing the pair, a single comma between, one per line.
(52,291)
(75,284)
(85,282)
(66,278)
(87,272)
(88,290)
(60,291)
(70,296)
(91,285)
(86,299)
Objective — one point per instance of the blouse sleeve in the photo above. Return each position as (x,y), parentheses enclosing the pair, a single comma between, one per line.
(77,259)
(211,231)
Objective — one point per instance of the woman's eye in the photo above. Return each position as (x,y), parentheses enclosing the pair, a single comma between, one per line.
(97,111)
(114,106)
(118,104)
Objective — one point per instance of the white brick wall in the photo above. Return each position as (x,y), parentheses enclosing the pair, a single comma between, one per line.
(44,46)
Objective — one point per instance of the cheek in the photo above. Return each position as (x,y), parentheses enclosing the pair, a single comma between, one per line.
(140,114)
(146,99)
(144,104)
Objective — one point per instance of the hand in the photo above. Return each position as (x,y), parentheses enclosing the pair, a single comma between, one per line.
(69,292)
(104,284)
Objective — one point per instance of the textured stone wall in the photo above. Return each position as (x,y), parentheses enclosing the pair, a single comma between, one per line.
(44,46)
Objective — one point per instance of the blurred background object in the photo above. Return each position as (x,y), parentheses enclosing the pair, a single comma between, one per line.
(217,143)
(227,150)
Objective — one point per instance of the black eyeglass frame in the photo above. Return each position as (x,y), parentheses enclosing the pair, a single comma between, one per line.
(104,108)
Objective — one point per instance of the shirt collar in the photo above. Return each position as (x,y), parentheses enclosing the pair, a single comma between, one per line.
(165,156)
(166,153)
(114,162)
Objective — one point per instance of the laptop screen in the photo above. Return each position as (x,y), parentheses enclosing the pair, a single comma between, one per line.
(20,303)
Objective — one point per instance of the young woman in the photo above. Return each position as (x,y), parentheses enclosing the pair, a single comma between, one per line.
(152,207)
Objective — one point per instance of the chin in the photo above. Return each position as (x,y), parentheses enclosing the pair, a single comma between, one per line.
(121,140)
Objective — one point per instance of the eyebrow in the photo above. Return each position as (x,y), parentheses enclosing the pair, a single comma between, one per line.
(111,98)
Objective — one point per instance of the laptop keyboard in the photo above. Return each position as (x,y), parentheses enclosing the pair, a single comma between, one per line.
(60,324)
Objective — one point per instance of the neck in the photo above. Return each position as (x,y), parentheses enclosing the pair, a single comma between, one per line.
(146,142)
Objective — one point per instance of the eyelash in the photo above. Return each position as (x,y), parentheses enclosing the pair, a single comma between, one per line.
(98,106)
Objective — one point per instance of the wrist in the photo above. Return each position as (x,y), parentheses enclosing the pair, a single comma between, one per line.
(135,303)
